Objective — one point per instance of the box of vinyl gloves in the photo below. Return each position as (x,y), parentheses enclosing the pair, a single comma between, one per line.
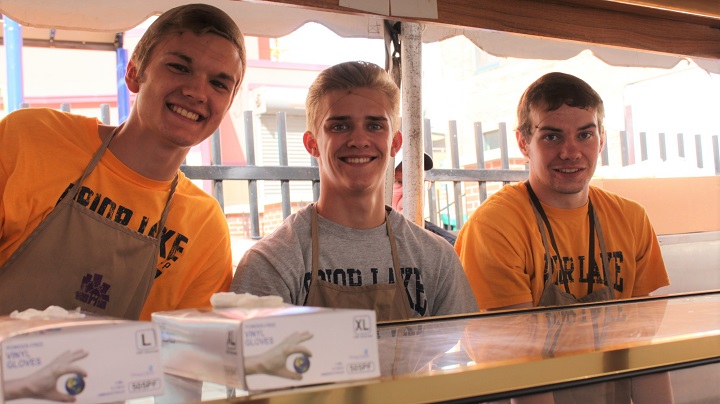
(61,356)
(260,343)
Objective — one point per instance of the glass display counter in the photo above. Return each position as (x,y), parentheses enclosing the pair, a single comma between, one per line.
(501,355)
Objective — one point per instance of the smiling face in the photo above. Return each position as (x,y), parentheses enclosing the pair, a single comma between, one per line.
(354,141)
(562,150)
(186,87)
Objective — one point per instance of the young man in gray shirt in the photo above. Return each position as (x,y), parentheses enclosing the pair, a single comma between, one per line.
(349,250)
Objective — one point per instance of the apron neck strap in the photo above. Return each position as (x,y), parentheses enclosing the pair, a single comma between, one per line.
(95,159)
(399,282)
(544,223)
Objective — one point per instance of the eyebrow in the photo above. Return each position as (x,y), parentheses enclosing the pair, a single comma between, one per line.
(374,118)
(554,129)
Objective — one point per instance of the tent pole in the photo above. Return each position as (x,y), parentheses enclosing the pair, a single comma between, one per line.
(412,120)
(13,52)
(123,95)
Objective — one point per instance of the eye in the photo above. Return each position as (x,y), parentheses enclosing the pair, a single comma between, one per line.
(178,67)
(375,126)
(551,137)
(339,127)
(586,135)
(219,84)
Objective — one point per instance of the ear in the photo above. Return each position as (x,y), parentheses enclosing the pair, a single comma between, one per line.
(522,143)
(603,139)
(131,77)
(396,144)
(311,144)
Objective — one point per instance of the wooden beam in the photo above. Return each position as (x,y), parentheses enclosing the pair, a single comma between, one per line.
(661,26)
(691,7)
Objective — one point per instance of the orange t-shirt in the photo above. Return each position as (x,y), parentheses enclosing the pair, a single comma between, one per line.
(43,152)
(502,252)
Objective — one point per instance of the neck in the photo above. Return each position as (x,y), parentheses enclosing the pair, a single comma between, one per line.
(141,154)
(560,200)
(354,212)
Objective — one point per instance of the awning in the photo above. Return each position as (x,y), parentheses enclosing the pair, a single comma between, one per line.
(278,18)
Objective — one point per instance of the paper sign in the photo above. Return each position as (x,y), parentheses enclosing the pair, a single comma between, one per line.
(414,8)
(398,8)
(371,6)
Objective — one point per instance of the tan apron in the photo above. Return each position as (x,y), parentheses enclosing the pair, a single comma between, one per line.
(390,301)
(605,392)
(552,295)
(78,258)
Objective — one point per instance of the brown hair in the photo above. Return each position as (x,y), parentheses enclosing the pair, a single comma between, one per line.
(346,76)
(197,18)
(554,90)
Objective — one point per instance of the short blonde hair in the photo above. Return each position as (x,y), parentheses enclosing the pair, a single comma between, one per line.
(347,76)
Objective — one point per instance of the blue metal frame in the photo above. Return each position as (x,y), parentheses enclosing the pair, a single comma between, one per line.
(123,95)
(13,51)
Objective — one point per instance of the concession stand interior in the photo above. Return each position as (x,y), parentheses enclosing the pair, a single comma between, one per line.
(569,351)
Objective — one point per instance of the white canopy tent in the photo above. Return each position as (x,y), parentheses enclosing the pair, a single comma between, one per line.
(667,30)
(278,18)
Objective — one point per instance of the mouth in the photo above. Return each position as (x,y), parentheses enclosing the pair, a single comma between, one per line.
(357,160)
(193,116)
(568,170)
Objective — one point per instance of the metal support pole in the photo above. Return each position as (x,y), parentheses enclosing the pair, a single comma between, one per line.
(252,184)
(698,151)
(480,156)
(216,151)
(413,173)
(13,56)
(432,204)
(504,151)
(643,146)
(123,94)
(283,160)
(663,147)
(457,185)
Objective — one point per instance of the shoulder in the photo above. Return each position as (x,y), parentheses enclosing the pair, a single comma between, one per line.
(196,209)
(435,229)
(48,128)
(33,118)
(609,200)
(508,205)
(409,233)
(288,236)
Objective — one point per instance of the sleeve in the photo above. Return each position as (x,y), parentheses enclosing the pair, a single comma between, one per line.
(461,300)
(495,265)
(651,273)
(256,275)
(214,276)
(3,173)
(8,161)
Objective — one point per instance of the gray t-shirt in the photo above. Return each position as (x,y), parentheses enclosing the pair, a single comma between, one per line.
(281,263)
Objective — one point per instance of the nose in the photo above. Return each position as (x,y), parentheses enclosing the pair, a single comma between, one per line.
(359,137)
(196,88)
(570,150)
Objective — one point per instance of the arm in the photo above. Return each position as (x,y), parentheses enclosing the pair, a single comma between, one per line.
(496,267)
(214,276)
(256,275)
(206,272)
(650,267)
(452,277)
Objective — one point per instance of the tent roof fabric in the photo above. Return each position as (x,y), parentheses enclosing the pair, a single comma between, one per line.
(494,28)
